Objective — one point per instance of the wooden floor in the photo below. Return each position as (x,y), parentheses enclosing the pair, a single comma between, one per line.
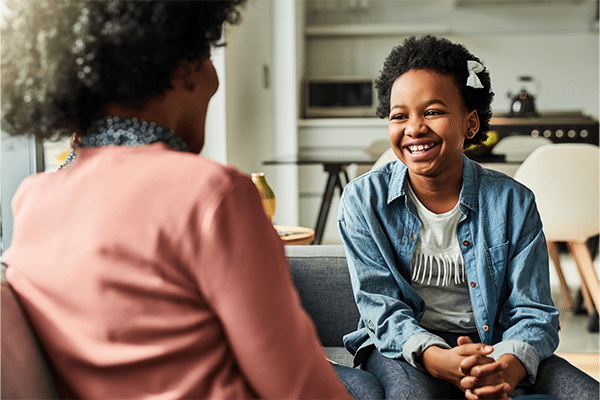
(589,363)
(577,345)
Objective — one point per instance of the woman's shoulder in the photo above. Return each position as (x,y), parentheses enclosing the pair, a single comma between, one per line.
(155,167)
(177,165)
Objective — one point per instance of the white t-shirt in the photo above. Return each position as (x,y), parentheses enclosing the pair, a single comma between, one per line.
(438,272)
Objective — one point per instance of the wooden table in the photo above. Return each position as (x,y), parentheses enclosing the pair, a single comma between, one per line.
(295,235)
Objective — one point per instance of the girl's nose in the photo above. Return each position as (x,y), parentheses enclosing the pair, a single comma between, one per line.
(415,127)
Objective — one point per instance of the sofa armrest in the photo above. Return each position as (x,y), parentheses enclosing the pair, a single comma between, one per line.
(321,277)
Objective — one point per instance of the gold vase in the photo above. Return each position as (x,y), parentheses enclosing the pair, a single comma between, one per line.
(266,194)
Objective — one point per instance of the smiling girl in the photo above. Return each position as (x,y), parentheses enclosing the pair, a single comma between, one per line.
(448,260)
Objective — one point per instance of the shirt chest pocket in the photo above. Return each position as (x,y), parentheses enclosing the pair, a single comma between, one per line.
(496,259)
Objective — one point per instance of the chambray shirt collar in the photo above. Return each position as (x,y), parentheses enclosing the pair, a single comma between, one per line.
(396,186)
(470,185)
(468,193)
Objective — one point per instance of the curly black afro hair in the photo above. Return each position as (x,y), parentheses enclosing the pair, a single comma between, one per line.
(63,61)
(443,56)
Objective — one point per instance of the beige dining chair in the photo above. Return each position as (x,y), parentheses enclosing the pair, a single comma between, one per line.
(386,157)
(565,181)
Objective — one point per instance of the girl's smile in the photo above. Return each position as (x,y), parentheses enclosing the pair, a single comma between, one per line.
(421,149)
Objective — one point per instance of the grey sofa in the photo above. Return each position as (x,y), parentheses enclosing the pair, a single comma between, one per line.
(320,276)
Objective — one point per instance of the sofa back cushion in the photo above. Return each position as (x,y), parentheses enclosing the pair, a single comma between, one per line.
(321,277)
(26,373)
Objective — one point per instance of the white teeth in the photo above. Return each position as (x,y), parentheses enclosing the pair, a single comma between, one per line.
(420,147)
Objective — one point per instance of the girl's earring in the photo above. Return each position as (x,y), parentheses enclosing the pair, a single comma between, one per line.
(470,135)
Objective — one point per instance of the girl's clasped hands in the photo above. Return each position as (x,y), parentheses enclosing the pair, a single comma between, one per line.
(469,367)
(483,376)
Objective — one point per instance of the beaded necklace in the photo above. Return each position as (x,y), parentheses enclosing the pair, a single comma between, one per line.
(117,131)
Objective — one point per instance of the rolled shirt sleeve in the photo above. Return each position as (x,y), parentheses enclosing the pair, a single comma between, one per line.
(524,352)
(417,344)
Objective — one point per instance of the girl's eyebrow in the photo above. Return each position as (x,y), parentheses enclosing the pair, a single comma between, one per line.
(425,104)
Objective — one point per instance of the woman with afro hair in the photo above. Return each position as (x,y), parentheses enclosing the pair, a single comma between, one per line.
(448,260)
(147,270)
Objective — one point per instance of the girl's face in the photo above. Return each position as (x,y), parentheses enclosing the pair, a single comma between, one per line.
(428,123)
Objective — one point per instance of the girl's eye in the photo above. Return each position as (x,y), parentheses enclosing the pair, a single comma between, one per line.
(397,116)
(433,112)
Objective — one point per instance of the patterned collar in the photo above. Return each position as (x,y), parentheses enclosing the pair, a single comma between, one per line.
(116,131)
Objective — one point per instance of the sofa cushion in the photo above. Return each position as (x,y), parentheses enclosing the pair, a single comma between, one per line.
(339,355)
(26,373)
(321,277)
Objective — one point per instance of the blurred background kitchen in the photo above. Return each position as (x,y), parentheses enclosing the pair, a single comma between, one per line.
(552,43)
(262,111)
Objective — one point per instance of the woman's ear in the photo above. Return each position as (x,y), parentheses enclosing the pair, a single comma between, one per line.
(183,76)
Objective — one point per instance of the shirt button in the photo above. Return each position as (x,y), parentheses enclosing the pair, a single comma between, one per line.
(412,236)
(473,284)
(485,328)
(465,242)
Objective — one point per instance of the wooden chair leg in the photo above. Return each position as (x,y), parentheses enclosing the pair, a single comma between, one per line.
(564,289)
(587,297)
(589,279)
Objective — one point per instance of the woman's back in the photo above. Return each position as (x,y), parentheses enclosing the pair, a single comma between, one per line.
(136,265)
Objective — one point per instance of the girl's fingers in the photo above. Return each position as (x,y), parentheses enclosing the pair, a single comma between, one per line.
(472,349)
(470,362)
(463,340)
(473,382)
(499,391)
(469,395)
(488,369)
(484,376)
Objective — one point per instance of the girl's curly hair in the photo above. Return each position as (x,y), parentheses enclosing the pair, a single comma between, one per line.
(63,61)
(443,56)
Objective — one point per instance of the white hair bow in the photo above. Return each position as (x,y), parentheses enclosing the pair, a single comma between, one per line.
(473,79)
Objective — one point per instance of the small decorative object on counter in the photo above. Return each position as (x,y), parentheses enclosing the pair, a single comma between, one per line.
(266,194)
(523,103)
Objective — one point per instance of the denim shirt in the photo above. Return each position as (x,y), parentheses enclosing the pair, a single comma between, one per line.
(505,255)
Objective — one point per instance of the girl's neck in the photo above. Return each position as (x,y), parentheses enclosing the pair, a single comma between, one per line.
(436,195)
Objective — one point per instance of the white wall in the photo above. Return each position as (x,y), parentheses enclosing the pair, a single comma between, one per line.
(249,94)
(252,117)
(286,15)
(215,135)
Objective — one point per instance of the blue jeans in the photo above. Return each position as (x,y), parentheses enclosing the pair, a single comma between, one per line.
(556,378)
(359,384)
